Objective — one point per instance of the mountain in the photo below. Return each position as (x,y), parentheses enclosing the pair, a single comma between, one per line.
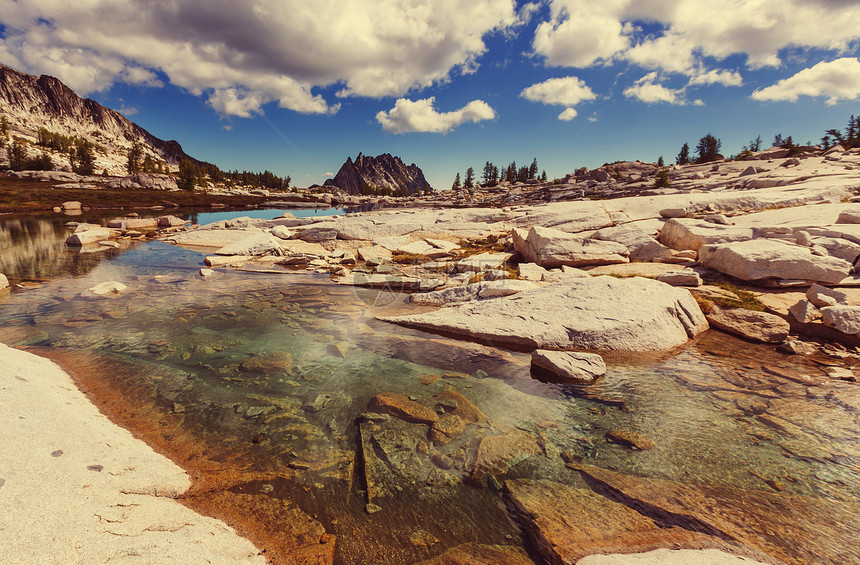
(31,102)
(380,174)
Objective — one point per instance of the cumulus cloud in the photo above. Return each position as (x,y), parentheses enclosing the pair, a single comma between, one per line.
(581,33)
(715,76)
(244,54)
(420,116)
(837,80)
(648,90)
(127,111)
(566,91)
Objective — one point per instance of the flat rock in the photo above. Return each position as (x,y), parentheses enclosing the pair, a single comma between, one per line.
(570,366)
(374,255)
(693,234)
(681,278)
(401,407)
(477,554)
(211,237)
(749,324)
(771,259)
(641,246)
(58,508)
(496,454)
(566,523)
(629,439)
(822,296)
(93,235)
(804,312)
(268,364)
(632,314)
(670,557)
(482,261)
(845,319)
(549,248)
(256,244)
(381,281)
(465,293)
(107,288)
(467,411)
(446,428)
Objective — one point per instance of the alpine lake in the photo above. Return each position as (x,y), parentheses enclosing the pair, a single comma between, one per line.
(265,388)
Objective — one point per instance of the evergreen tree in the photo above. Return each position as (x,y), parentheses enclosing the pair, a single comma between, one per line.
(470,178)
(533,169)
(683,157)
(148,165)
(523,174)
(4,131)
(660,162)
(511,172)
(456,185)
(487,173)
(134,157)
(662,178)
(188,175)
(494,179)
(17,155)
(755,144)
(543,176)
(83,160)
(708,149)
(778,140)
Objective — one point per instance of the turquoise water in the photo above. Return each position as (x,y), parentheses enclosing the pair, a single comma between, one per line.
(269,375)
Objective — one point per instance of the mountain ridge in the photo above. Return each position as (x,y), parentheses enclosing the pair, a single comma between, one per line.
(380,174)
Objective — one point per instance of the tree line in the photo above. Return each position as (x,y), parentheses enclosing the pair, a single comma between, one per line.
(193,174)
(492,175)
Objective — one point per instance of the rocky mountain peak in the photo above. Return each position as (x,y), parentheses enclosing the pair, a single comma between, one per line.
(380,174)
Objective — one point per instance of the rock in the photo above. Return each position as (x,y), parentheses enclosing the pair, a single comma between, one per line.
(632,314)
(401,407)
(463,407)
(446,428)
(496,454)
(717,219)
(465,293)
(640,245)
(673,213)
(206,273)
(749,324)
(822,296)
(849,217)
(845,319)
(442,248)
(565,523)
(257,244)
(475,554)
(477,263)
(681,278)
(629,439)
(171,222)
(226,260)
(797,347)
(316,234)
(154,181)
(372,508)
(772,259)
(282,232)
(71,205)
(4,282)
(530,272)
(750,171)
(549,248)
(339,349)
(384,282)
(665,556)
(570,366)
(805,312)
(269,363)
(375,255)
(498,289)
(684,234)
(107,288)
(93,235)
(212,237)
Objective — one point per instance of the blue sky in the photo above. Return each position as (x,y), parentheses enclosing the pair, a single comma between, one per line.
(297,86)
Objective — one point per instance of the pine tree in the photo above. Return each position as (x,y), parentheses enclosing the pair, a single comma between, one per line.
(543,176)
(470,178)
(533,169)
(660,162)
(662,178)
(456,185)
(148,165)
(708,149)
(134,156)
(188,174)
(83,160)
(17,156)
(4,131)
(683,157)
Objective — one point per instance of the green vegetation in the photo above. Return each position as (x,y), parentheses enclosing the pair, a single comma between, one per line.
(134,157)
(708,149)
(4,131)
(662,178)
(683,157)
(745,299)
(82,159)
(189,175)
(409,258)
(469,182)
(456,185)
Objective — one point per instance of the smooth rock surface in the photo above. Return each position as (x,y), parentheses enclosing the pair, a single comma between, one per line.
(749,324)
(476,554)
(633,314)
(92,235)
(570,366)
(770,259)
(256,244)
(804,312)
(4,282)
(822,296)
(58,508)
(641,246)
(845,319)
(670,557)
(549,248)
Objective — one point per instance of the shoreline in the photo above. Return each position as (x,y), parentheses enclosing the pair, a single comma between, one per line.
(100,492)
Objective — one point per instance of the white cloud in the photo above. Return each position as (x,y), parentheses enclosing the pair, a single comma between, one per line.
(715,76)
(244,54)
(228,127)
(420,116)
(565,91)
(647,90)
(328,174)
(567,114)
(582,33)
(837,80)
(127,111)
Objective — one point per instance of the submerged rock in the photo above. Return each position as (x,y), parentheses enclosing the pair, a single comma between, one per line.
(476,554)
(495,454)
(570,366)
(629,439)
(268,363)
(633,314)
(401,407)
(749,324)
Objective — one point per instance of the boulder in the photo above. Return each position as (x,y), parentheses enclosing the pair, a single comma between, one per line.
(316,234)
(93,235)
(570,366)
(681,278)
(375,255)
(805,312)
(822,296)
(171,222)
(212,237)
(530,272)
(749,324)
(750,171)
(154,181)
(478,263)
(496,454)
(640,245)
(71,205)
(849,217)
(836,247)
(402,407)
(772,259)
(632,314)
(256,244)
(549,248)
(106,289)
(446,428)
(4,282)
(693,234)
(673,213)
(282,232)
(484,289)
(845,319)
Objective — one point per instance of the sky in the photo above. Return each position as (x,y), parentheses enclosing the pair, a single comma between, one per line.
(297,86)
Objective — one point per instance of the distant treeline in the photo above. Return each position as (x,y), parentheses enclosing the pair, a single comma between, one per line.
(192,174)
(492,175)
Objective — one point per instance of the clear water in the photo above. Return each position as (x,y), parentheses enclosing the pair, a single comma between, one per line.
(262,380)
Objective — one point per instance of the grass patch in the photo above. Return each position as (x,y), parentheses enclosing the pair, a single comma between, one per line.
(745,299)
(491,243)
(409,258)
